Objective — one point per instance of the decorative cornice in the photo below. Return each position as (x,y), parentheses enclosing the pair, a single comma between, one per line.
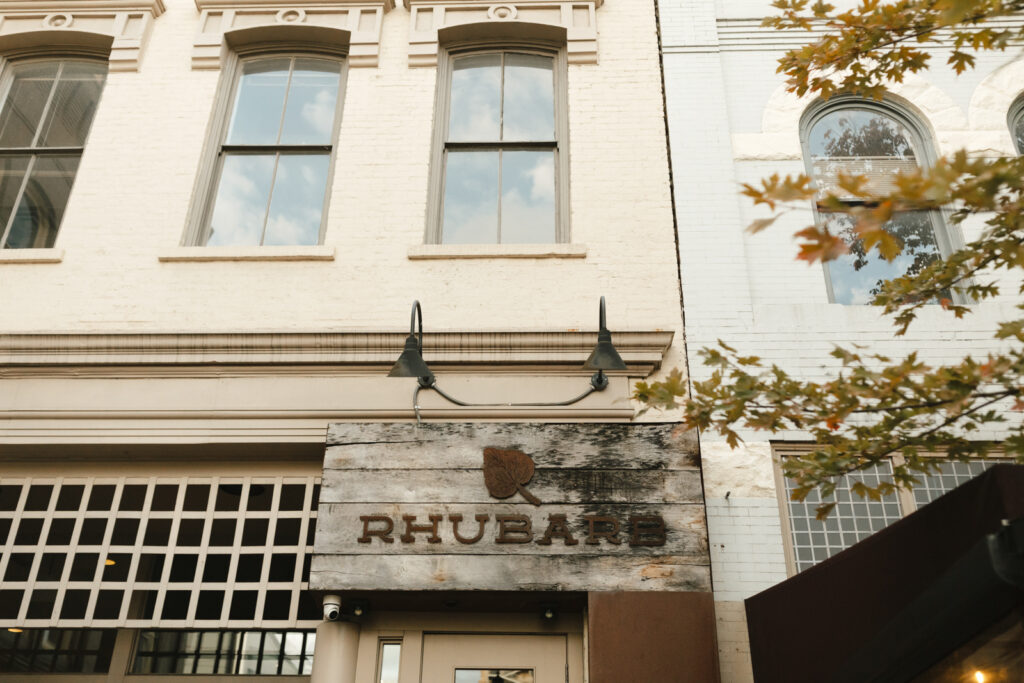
(578,18)
(40,25)
(154,6)
(362,19)
(255,4)
(642,350)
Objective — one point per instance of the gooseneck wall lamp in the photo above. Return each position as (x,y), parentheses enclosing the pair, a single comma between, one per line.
(411,364)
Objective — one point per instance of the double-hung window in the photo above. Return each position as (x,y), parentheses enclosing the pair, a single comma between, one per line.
(859,138)
(45,120)
(274,161)
(502,149)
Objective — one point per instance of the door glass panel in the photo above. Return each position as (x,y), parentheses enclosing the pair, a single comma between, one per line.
(494,676)
(389,656)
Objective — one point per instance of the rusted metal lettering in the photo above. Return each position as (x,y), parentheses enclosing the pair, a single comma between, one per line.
(514,529)
(558,527)
(610,532)
(383,534)
(411,529)
(481,520)
(646,530)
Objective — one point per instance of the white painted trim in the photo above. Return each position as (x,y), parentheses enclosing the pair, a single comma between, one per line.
(421,252)
(363,20)
(554,348)
(269,253)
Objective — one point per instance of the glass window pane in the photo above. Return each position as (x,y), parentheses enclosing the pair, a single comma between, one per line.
(476,98)
(494,676)
(529,103)
(862,142)
(241,202)
(74,104)
(256,118)
(312,96)
(1018,132)
(42,205)
(389,656)
(12,173)
(527,197)
(297,205)
(857,276)
(26,100)
(471,198)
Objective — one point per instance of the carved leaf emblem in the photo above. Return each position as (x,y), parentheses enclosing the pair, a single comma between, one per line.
(508,471)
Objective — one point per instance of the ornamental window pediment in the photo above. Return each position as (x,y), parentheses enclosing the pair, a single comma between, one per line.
(117,29)
(429,17)
(361,19)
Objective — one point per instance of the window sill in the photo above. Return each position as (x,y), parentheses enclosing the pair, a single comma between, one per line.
(489,251)
(31,255)
(314,253)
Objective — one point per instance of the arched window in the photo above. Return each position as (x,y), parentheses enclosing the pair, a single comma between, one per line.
(1016,119)
(47,112)
(877,141)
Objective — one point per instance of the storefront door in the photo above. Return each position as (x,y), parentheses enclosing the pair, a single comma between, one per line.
(450,658)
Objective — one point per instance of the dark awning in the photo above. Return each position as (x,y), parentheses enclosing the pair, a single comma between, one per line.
(898,601)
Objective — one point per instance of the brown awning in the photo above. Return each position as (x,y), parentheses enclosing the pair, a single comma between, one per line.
(884,604)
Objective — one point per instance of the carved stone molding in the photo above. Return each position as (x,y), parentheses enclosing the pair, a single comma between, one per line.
(361,18)
(38,24)
(642,350)
(578,18)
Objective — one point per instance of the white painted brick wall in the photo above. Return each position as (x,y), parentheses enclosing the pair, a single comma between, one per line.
(133,191)
(725,104)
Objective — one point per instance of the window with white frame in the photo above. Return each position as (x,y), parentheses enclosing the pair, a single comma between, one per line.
(1016,120)
(47,112)
(275,154)
(875,140)
(500,149)
(855,518)
(170,552)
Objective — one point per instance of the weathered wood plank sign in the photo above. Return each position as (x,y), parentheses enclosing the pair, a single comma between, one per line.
(483,506)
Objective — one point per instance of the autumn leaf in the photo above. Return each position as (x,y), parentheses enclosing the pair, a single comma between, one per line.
(508,471)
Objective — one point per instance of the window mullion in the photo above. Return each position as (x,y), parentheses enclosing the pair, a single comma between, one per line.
(501,137)
(287,93)
(270,197)
(499,193)
(17,202)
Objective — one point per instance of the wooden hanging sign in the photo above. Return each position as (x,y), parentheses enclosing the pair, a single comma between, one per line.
(510,506)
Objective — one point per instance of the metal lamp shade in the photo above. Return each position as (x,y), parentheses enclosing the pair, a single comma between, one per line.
(604,356)
(410,363)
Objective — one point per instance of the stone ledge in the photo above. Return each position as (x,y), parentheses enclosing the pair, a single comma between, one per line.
(489,251)
(31,255)
(196,254)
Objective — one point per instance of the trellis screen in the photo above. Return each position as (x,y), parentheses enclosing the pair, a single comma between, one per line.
(207,552)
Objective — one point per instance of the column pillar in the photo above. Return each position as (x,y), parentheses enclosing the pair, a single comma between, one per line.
(334,656)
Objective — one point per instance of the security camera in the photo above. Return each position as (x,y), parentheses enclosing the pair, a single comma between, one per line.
(332,607)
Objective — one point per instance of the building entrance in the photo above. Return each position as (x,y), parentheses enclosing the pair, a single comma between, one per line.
(449,658)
